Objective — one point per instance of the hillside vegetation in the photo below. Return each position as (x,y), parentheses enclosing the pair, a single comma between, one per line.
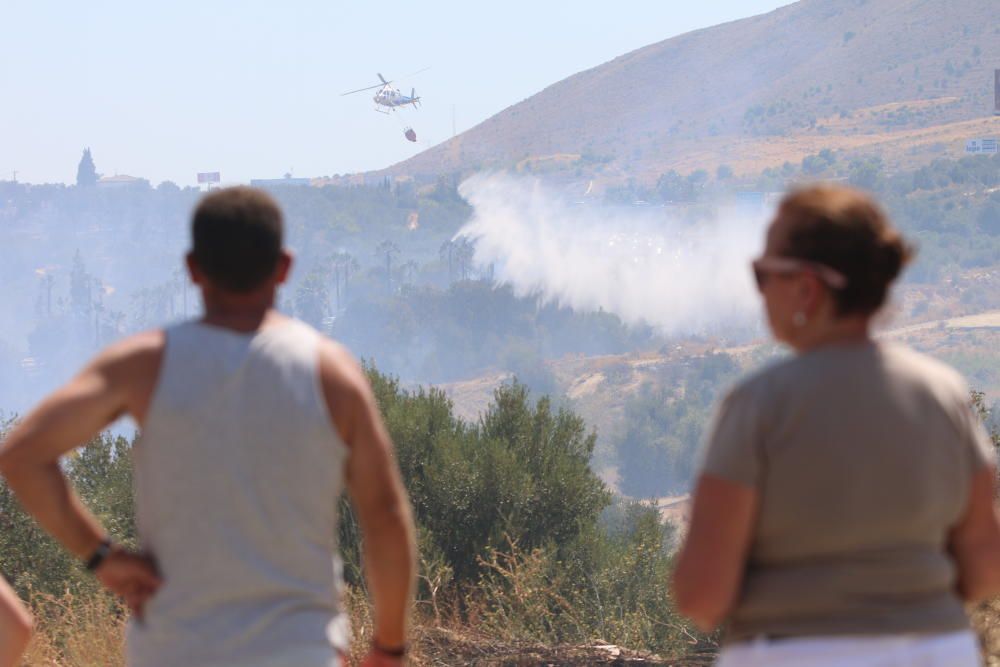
(521,545)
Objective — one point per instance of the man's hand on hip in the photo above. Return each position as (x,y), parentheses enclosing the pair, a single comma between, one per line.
(130,575)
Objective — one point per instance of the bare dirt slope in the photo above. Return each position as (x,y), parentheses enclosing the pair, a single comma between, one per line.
(818,72)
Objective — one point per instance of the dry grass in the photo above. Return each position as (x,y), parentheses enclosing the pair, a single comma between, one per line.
(77,632)
(986,619)
(749,155)
(89,632)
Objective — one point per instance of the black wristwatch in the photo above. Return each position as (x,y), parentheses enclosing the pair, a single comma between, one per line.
(100,553)
(392,652)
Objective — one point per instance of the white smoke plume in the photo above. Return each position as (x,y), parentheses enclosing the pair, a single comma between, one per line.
(643,264)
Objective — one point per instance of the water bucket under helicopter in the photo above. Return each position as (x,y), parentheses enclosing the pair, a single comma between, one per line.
(410,134)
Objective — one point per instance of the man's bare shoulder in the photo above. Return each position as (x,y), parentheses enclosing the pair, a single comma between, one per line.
(346,391)
(340,370)
(134,354)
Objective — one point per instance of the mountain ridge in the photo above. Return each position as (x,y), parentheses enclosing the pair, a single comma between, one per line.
(773,75)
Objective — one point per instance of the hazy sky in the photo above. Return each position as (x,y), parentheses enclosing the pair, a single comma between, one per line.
(252,89)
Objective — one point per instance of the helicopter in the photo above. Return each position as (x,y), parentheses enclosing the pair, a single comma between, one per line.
(388,98)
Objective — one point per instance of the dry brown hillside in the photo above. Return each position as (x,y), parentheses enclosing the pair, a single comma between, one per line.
(842,73)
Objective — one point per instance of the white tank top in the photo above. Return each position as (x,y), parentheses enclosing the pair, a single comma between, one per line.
(238,474)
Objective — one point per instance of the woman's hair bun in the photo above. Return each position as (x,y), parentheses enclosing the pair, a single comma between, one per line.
(846,230)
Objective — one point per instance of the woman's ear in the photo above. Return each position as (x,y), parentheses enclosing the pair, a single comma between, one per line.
(809,293)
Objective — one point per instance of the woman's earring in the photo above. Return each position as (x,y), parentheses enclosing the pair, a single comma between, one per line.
(799,319)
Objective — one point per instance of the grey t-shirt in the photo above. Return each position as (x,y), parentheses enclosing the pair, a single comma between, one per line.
(862,456)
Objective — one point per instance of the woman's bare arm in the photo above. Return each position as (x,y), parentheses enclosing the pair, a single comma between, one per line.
(710,566)
(975,541)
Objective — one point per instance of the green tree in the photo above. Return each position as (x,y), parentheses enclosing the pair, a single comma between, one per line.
(86,172)
(665,425)
(80,287)
(101,472)
(523,471)
(463,253)
(866,174)
(671,186)
(817,164)
(698,178)
(989,219)
(312,303)
(985,414)
(447,254)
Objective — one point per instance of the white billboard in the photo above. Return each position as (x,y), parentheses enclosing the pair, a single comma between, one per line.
(981,146)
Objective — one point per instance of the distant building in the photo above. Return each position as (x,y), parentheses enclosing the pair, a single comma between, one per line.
(121,182)
(981,147)
(750,201)
(287,181)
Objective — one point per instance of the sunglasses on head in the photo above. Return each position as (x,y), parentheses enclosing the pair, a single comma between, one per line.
(765,267)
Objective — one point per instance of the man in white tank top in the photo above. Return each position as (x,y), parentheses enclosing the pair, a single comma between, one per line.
(252,425)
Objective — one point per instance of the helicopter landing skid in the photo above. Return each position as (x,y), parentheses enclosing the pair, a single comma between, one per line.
(381,110)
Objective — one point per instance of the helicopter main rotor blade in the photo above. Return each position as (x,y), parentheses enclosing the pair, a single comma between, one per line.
(419,71)
(361,90)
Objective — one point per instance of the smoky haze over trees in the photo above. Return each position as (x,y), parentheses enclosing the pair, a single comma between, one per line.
(375,266)
(530,278)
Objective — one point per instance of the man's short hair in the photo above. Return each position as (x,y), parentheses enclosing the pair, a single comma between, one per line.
(237,236)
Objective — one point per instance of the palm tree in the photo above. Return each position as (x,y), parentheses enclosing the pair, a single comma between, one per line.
(48,280)
(344,265)
(311,300)
(448,251)
(98,308)
(181,283)
(388,250)
(407,271)
(465,250)
(117,320)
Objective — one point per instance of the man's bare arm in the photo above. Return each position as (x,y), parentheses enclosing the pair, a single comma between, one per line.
(377,492)
(29,458)
(70,417)
(15,627)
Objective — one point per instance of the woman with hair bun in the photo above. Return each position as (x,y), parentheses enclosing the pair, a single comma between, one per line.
(844,511)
